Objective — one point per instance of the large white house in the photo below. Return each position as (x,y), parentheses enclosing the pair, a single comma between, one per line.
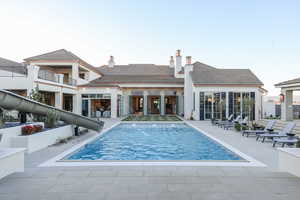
(191,90)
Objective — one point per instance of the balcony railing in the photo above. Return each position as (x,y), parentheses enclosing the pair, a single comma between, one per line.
(70,81)
(48,76)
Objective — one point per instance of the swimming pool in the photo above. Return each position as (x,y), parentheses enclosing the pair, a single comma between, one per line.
(153,141)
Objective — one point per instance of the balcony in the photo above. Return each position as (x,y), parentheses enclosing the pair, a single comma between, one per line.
(70,81)
(56,78)
(48,76)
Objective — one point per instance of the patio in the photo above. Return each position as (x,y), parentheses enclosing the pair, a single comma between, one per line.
(154,182)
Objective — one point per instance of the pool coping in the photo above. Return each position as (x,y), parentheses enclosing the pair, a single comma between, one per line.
(58,162)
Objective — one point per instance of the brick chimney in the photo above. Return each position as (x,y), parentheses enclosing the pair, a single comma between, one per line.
(111,62)
(178,61)
(189,60)
(172,62)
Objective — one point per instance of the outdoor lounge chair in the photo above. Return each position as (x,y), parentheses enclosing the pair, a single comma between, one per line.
(222,123)
(267,129)
(283,133)
(289,140)
(231,124)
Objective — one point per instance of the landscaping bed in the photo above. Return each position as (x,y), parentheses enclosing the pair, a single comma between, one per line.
(152,118)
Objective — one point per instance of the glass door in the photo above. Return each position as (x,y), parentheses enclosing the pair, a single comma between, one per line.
(208,106)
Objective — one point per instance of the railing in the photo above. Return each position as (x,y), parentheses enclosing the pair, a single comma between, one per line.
(70,81)
(48,76)
(12,74)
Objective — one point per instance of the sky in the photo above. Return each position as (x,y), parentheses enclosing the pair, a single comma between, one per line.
(263,36)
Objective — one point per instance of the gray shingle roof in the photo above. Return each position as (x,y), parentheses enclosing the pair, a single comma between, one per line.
(12,66)
(137,69)
(61,55)
(117,79)
(293,81)
(205,74)
(136,73)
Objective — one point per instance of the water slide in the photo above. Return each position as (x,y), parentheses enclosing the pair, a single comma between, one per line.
(11,101)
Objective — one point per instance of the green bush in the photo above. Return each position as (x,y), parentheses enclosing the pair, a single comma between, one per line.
(52,119)
(237,127)
(298,144)
(2,118)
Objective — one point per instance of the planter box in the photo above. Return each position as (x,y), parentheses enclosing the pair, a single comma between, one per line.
(8,133)
(11,160)
(43,139)
(289,160)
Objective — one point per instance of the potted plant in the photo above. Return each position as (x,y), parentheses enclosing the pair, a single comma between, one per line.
(51,119)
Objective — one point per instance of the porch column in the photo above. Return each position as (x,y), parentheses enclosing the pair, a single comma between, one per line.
(59,100)
(227,105)
(180,104)
(77,104)
(75,71)
(113,104)
(197,105)
(162,103)
(126,104)
(145,102)
(287,105)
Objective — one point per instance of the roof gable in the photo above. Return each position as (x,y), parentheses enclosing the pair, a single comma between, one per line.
(61,55)
(292,81)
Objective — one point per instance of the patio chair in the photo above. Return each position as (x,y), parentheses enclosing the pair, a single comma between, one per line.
(232,123)
(267,129)
(283,133)
(289,140)
(222,123)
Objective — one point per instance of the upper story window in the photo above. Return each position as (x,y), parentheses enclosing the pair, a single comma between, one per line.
(82,75)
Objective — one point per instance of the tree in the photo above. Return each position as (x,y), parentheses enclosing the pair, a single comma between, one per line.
(36,95)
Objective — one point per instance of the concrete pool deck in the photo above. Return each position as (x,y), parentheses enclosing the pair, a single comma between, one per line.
(154,182)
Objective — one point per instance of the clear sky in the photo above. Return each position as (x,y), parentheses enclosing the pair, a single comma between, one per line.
(263,35)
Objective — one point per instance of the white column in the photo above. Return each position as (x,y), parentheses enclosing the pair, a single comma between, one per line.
(75,71)
(145,102)
(77,104)
(227,105)
(179,103)
(197,105)
(287,105)
(126,104)
(113,105)
(162,103)
(60,78)
(241,104)
(59,100)
(188,91)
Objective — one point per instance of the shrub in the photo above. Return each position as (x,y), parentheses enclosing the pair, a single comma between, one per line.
(38,128)
(2,118)
(298,144)
(237,127)
(51,119)
(31,129)
(28,130)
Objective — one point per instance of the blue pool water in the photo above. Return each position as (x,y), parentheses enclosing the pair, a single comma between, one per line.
(153,142)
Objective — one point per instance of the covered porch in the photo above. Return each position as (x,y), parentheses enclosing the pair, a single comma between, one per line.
(288,89)
(153,102)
